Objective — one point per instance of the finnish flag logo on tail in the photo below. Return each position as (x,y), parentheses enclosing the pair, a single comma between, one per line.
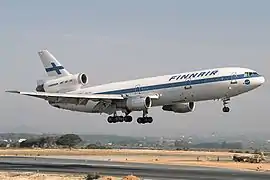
(51,65)
(54,68)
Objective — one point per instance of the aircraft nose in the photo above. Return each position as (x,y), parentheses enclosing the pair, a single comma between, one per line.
(260,81)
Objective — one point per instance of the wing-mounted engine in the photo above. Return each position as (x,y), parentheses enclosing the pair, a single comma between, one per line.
(180,107)
(63,84)
(136,103)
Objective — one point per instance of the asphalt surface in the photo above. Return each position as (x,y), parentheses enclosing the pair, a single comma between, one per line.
(145,171)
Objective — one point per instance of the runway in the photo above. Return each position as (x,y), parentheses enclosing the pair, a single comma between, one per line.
(145,171)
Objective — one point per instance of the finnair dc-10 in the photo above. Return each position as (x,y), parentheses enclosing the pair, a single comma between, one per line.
(176,93)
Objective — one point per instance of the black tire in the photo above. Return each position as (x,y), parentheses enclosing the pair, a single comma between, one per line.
(120,119)
(128,119)
(110,119)
(226,109)
(140,120)
(149,120)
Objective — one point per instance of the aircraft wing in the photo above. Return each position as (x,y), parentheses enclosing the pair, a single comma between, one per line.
(79,99)
(69,97)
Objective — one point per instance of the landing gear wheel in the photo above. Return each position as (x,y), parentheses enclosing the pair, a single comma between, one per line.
(110,119)
(226,109)
(140,120)
(116,119)
(120,119)
(128,118)
(149,120)
(144,120)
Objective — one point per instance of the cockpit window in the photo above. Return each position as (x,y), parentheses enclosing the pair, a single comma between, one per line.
(250,74)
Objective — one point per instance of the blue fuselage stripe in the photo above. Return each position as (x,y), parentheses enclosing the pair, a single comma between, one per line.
(178,84)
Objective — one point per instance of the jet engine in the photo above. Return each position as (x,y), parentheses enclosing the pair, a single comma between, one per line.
(63,84)
(180,107)
(138,103)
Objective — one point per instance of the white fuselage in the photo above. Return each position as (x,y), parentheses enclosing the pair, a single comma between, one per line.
(194,86)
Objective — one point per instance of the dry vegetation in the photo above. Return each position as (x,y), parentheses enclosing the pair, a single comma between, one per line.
(38,176)
(49,176)
(130,177)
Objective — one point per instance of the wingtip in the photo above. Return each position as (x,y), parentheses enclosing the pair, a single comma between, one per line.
(17,92)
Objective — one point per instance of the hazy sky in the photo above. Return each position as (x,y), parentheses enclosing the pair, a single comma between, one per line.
(121,40)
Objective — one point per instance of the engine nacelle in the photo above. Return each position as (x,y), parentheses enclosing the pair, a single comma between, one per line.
(138,103)
(180,107)
(63,84)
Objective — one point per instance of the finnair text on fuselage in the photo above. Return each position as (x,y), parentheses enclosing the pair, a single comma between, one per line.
(194,75)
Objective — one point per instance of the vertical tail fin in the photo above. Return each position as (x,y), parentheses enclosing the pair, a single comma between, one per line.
(51,65)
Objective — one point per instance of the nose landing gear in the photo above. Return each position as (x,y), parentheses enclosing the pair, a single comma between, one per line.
(225,103)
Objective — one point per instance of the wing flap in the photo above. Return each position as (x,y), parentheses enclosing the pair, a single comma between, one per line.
(102,105)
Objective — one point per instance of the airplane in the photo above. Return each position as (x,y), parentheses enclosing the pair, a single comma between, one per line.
(176,93)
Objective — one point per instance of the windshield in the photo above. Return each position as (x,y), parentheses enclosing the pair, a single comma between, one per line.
(250,74)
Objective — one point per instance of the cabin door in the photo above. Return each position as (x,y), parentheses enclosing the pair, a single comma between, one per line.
(138,89)
(188,84)
(234,78)
(233,84)
(188,90)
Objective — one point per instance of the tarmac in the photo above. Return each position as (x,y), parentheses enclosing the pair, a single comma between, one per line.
(145,171)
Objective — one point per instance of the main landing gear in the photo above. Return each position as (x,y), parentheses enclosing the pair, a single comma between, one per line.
(145,119)
(116,119)
(225,103)
(141,120)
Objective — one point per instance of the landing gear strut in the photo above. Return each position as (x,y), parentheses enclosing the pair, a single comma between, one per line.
(225,103)
(145,119)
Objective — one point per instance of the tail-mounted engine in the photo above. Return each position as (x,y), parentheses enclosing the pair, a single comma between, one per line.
(63,84)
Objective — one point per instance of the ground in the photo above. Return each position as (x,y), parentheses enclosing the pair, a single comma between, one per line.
(192,158)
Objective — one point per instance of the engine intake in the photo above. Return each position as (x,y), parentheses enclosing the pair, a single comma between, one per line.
(82,79)
(180,107)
